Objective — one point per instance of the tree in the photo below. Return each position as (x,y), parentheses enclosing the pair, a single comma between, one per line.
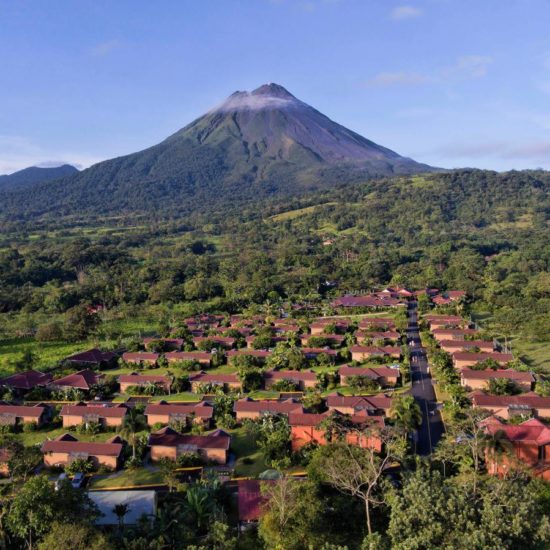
(76,536)
(406,412)
(501,386)
(357,471)
(274,440)
(133,422)
(120,510)
(168,469)
(80,323)
(23,461)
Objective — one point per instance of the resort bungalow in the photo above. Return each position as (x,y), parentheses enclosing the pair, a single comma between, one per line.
(384,376)
(302,379)
(107,416)
(167,443)
(12,415)
(168,344)
(453,333)
(187,413)
(125,381)
(377,336)
(445,321)
(62,450)
(226,381)
(82,380)
(508,406)
(248,408)
(223,341)
(349,404)
(464,359)
(306,428)
(140,358)
(451,346)
(373,323)
(250,500)
(25,381)
(202,357)
(530,442)
(479,379)
(93,358)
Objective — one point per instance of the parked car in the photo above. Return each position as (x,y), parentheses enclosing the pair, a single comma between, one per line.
(62,477)
(78,480)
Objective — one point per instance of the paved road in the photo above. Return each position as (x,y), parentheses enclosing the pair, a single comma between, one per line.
(422,389)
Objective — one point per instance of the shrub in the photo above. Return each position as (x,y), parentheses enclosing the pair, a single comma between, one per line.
(30,427)
(84,465)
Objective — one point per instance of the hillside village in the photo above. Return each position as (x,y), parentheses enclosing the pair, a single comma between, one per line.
(247,400)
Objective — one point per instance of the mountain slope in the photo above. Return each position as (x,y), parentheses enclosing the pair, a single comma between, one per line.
(255,144)
(33,175)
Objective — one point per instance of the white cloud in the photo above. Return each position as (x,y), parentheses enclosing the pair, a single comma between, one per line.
(531,151)
(472,65)
(104,48)
(397,79)
(405,12)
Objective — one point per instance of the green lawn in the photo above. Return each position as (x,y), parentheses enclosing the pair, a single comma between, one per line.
(38,437)
(244,446)
(125,478)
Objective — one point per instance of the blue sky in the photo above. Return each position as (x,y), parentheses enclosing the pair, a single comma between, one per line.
(448,82)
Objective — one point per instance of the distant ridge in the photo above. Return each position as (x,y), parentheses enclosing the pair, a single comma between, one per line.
(255,144)
(30,176)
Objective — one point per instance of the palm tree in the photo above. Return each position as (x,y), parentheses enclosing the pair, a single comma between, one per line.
(133,423)
(120,511)
(199,504)
(406,412)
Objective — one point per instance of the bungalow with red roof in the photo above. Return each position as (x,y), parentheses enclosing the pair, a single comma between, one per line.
(374,405)
(377,336)
(370,323)
(140,357)
(226,342)
(318,327)
(464,359)
(169,344)
(444,321)
(186,413)
(201,357)
(530,442)
(368,301)
(248,408)
(362,353)
(226,381)
(93,358)
(134,379)
(62,450)
(453,333)
(107,416)
(478,379)
(302,379)
(450,346)
(12,415)
(167,443)
(250,500)
(82,380)
(508,406)
(306,428)
(25,381)
(384,376)
(313,353)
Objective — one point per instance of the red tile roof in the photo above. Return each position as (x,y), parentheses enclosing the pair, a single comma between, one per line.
(530,400)
(99,410)
(66,443)
(277,407)
(359,402)
(167,437)
(27,380)
(214,378)
(250,499)
(22,410)
(188,356)
(136,357)
(92,356)
(488,374)
(140,379)
(530,431)
(372,372)
(83,380)
(304,375)
(501,358)
(202,409)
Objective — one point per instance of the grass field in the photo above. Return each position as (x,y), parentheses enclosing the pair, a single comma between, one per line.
(36,438)
(125,478)
(244,446)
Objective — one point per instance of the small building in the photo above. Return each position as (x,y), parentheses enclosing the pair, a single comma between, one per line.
(166,413)
(167,443)
(302,379)
(436,321)
(140,504)
(377,336)
(374,405)
(451,346)
(384,376)
(62,450)
(362,353)
(319,326)
(140,358)
(202,357)
(169,344)
(126,381)
(107,416)
(530,442)
(479,379)
(26,381)
(12,415)
(93,358)
(375,323)
(226,342)
(509,406)
(248,408)
(453,333)
(250,500)
(82,380)
(226,381)
(464,359)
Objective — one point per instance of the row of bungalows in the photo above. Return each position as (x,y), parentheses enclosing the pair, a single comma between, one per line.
(377,336)
(437,321)
(466,359)
(132,380)
(369,301)
(456,334)
(363,353)
(108,416)
(453,346)
(479,379)
(530,447)
(510,406)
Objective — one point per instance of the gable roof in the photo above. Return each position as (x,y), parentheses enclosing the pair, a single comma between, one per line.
(67,443)
(214,378)
(202,409)
(266,405)
(303,375)
(250,499)
(140,356)
(23,410)
(99,410)
(168,437)
(372,372)
(135,378)
(27,380)
(530,431)
(488,374)
(92,356)
(359,401)
(82,380)
(482,356)
(481,399)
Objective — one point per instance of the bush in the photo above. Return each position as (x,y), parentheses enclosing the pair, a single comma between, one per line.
(30,427)
(49,332)
(187,460)
(133,463)
(84,465)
